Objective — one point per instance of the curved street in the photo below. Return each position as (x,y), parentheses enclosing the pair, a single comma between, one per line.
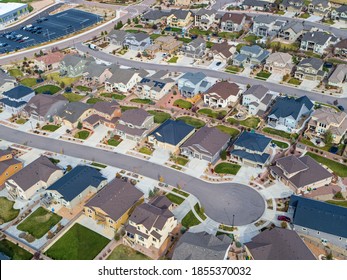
(228,203)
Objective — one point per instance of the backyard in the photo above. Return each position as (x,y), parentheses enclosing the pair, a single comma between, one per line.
(15,73)
(183,104)
(73,97)
(29,82)
(159,116)
(342,203)
(227,168)
(67,81)
(192,121)
(39,222)
(277,132)
(94,100)
(7,212)
(213,114)
(122,252)
(141,101)
(113,95)
(13,251)
(233,132)
(280,144)
(47,89)
(78,243)
(126,108)
(338,168)
(84,88)
(251,122)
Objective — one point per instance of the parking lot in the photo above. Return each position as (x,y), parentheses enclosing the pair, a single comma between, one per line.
(46,29)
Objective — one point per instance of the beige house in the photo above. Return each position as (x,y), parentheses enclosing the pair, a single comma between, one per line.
(279,63)
(168,44)
(326,118)
(182,2)
(179,18)
(73,113)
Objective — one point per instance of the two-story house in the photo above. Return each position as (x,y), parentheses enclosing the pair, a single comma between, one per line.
(137,41)
(339,13)
(49,61)
(154,87)
(204,18)
(72,113)
(74,65)
(340,48)
(293,6)
(105,113)
(292,31)
(222,94)
(179,18)
(256,5)
(310,69)
(327,119)
(8,165)
(191,84)
(319,7)
(286,113)
(7,82)
(16,98)
(233,22)
(266,26)
(317,41)
(279,63)
(252,55)
(195,49)
(122,80)
(134,124)
(257,99)
(338,76)
(155,17)
(96,74)
(168,44)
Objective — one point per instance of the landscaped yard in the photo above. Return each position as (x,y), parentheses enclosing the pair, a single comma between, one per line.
(251,38)
(159,116)
(209,44)
(59,79)
(227,168)
(83,134)
(126,108)
(114,141)
(141,101)
(199,211)
(174,198)
(155,36)
(284,47)
(83,88)
(47,89)
(39,222)
(251,122)
(229,130)
(339,168)
(304,15)
(173,59)
(277,132)
(7,212)
(197,31)
(50,127)
(263,75)
(29,82)
(15,73)
(21,121)
(233,69)
(294,81)
(183,104)
(180,160)
(94,100)
(213,114)
(13,251)
(122,252)
(78,243)
(192,121)
(280,144)
(99,165)
(145,150)
(190,220)
(113,95)
(185,40)
(342,203)
(73,97)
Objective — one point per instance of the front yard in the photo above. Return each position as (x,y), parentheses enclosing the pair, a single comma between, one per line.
(50,127)
(115,141)
(263,75)
(227,168)
(39,222)
(233,69)
(78,243)
(159,116)
(192,121)
(183,104)
(251,122)
(294,81)
(122,252)
(173,59)
(15,73)
(146,151)
(338,168)
(179,160)
(82,134)
(7,212)
(190,220)
(175,199)
(13,251)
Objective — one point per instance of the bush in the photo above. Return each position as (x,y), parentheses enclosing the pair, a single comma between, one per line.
(223,155)
(338,195)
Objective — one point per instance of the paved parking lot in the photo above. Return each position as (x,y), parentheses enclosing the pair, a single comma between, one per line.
(47,29)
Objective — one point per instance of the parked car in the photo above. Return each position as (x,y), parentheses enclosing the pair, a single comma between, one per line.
(218,63)
(341,108)
(284,218)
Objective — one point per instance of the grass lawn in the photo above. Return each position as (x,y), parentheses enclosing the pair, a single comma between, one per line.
(339,168)
(213,114)
(73,97)
(29,82)
(199,211)
(50,127)
(180,192)
(94,100)
(173,59)
(66,80)
(39,222)
(233,69)
(190,220)
(251,122)
(13,251)
(78,243)
(176,29)
(283,46)
(21,121)
(280,144)
(183,104)
(264,74)
(141,101)
(342,203)
(15,73)
(294,81)
(145,150)
(7,212)
(113,142)
(277,132)
(185,40)
(233,132)
(336,61)
(159,116)
(251,38)
(155,36)
(321,104)
(192,121)
(96,164)
(197,31)
(113,95)
(122,252)
(84,88)
(180,160)
(175,199)
(83,134)
(209,44)
(309,143)
(227,168)
(239,46)
(135,31)
(47,89)
(304,15)
(126,108)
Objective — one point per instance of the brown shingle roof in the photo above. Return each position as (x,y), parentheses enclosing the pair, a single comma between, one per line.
(106,107)
(223,48)
(342,44)
(224,89)
(234,17)
(135,117)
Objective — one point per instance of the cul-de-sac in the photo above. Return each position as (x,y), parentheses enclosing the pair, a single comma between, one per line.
(173,130)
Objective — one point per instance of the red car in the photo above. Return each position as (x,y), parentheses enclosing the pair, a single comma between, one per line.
(284,218)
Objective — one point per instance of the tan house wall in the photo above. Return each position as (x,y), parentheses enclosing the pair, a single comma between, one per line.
(10,171)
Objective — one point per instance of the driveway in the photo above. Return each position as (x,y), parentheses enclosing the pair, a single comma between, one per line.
(228,203)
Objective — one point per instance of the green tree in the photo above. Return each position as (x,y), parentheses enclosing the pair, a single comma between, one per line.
(62,84)
(129,21)
(223,155)
(136,20)
(79,125)
(328,137)
(119,25)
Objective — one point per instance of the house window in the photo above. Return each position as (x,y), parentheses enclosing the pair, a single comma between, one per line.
(318,232)
(154,239)
(304,229)
(340,238)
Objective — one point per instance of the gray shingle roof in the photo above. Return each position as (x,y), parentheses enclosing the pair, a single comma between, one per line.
(285,107)
(195,78)
(180,14)
(313,62)
(135,117)
(73,111)
(106,107)
(318,37)
(4,77)
(263,19)
(253,141)
(292,164)
(205,12)
(42,103)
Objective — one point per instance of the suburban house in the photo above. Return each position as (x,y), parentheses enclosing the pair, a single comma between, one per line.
(202,246)
(292,31)
(195,48)
(122,80)
(256,5)
(43,107)
(233,22)
(339,13)
(96,73)
(35,176)
(223,50)
(153,87)
(340,48)
(179,18)
(251,149)
(16,98)
(253,55)
(117,37)
(319,7)
(155,17)
(192,84)
(279,63)
(134,124)
(278,244)
(136,41)
(257,99)
(50,61)
(7,82)
(150,226)
(167,44)
(293,6)
(73,65)
(317,41)
(320,220)
(286,113)
(105,113)
(204,18)
(310,69)
(112,205)
(75,186)
(72,113)
(206,144)
(185,3)
(266,26)
(324,119)
(222,94)
(338,76)
(301,174)
(171,134)
(8,165)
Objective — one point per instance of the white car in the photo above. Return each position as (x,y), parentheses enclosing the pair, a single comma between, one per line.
(25,38)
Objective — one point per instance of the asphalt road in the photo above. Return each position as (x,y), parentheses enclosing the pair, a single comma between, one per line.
(215,74)
(224,203)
